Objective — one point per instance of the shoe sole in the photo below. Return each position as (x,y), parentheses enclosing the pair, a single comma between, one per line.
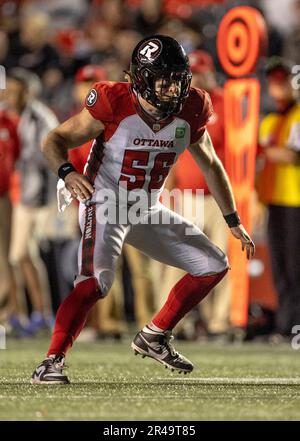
(144,354)
(48,382)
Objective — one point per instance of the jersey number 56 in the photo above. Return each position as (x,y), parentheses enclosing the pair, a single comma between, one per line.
(133,162)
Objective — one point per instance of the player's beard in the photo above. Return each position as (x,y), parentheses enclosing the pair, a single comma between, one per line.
(154,113)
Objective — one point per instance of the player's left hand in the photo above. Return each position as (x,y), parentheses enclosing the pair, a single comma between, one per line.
(247,243)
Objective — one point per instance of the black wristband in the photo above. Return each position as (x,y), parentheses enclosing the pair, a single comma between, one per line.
(232,220)
(65,169)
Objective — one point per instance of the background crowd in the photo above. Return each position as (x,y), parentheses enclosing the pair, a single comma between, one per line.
(53,51)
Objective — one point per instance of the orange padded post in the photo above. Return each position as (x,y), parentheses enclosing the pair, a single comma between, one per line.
(241,39)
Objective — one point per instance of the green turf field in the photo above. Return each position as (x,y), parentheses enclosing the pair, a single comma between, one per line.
(251,382)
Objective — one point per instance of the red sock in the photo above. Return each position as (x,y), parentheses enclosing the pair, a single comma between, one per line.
(186,294)
(72,314)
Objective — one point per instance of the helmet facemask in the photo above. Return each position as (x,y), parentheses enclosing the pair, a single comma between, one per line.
(153,85)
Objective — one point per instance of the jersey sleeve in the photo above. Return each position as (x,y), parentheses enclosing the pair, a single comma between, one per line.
(98,103)
(203,111)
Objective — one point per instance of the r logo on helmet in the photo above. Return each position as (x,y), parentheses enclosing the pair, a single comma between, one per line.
(150,50)
(91,98)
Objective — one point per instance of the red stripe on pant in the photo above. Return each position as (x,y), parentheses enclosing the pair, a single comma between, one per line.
(72,313)
(186,294)
(88,241)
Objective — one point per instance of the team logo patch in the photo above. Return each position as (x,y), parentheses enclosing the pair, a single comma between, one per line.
(91,98)
(179,132)
(150,50)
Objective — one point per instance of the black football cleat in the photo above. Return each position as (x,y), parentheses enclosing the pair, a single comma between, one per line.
(50,371)
(158,346)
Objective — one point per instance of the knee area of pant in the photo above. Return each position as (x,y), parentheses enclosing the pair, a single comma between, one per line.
(221,262)
(225,263)
(218,266)
(105,280)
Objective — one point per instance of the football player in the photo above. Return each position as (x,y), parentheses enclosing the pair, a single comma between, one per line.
(139,130)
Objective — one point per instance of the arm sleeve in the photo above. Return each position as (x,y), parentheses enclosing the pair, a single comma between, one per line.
(98,103)
(201,119)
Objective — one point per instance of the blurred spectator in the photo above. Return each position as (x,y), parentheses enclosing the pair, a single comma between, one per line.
(84,79)
(149,17)
(275,36)
(38,55)
(103,28)
(114,69)
(101,38)
(63,13)
(9,40)
(292,41)
(9,152)
(37,191)
(279,14)
(186,175)
(115,14)
(124,43)
(4,49)
(278,187)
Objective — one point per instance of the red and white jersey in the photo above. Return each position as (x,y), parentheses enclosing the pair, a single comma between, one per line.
(134,148)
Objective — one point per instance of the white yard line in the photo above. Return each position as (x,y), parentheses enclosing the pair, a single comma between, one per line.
(234,380)
(173,378)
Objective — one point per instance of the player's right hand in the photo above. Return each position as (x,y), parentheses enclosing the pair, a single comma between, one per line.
(79,186)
